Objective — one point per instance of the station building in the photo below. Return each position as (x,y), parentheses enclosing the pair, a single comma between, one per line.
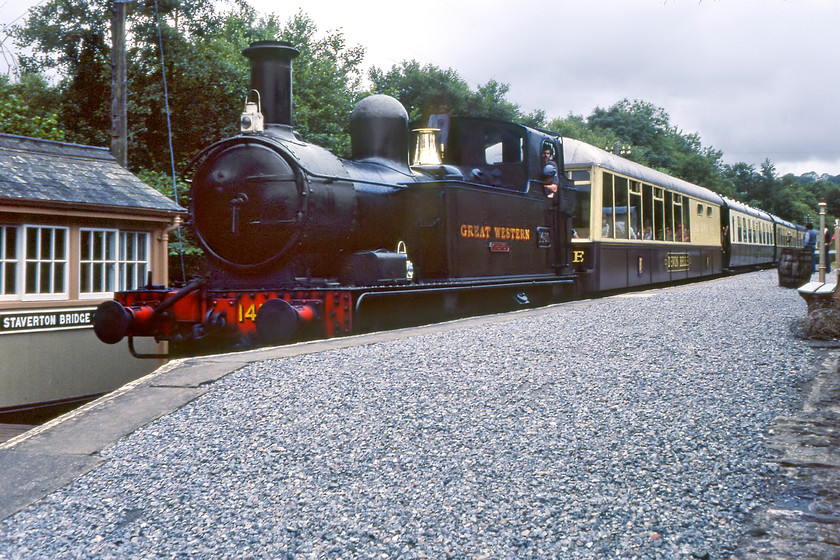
(75,226)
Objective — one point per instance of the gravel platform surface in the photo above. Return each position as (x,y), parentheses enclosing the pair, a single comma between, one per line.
(625,427)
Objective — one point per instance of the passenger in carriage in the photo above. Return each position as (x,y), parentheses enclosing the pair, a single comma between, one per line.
(647,233)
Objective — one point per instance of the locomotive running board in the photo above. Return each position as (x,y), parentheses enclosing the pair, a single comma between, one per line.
(444,289)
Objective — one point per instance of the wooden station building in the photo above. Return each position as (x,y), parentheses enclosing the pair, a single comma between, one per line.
(74,227)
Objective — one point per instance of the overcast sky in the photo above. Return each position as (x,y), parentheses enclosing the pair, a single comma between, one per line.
(755,79)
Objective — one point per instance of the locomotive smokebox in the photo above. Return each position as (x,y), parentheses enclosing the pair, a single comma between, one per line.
(271,75)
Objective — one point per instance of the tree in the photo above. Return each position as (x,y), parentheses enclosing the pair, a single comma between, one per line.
(575,126)
(20,115)
(423,91)
(71,39)
(327,84)
(490,100)
(639,124)
(427,90)
(206,74)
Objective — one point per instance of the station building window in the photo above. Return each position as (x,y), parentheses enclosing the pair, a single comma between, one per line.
(97,261)
(134,259)
(8,261)
(111,260)
(45,267)
(35,263)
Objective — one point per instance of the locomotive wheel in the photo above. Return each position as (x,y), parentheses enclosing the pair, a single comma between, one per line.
(276,321)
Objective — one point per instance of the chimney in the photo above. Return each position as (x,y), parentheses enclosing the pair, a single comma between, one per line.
(271,75)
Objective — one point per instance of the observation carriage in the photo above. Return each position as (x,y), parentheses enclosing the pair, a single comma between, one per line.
(635,226)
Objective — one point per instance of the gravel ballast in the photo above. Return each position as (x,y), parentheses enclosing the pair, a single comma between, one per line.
(626,427)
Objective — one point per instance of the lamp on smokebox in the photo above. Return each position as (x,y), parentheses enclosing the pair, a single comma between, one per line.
(252,118)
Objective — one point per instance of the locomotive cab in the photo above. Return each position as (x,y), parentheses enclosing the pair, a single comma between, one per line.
(486,152)
(485,211)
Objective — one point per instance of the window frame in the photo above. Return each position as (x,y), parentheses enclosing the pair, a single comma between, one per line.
(53,263)
(5,261)
(142,267)
(98,261)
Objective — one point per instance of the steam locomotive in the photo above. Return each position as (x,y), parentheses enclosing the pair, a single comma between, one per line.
(487,214)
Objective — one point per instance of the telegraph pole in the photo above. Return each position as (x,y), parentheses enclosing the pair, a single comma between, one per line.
(119,113)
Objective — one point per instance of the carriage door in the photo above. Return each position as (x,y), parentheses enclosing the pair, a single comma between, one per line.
(561,208)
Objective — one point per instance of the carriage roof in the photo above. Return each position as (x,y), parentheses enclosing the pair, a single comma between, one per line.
(580,154)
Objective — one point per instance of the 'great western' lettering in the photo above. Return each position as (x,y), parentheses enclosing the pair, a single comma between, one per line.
(497,233)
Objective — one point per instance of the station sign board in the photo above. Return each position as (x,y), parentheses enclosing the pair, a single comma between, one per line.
(40,320)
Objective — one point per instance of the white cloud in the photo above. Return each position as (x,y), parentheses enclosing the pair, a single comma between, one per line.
(756,79)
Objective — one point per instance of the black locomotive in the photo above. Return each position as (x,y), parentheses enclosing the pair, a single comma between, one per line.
(303,243)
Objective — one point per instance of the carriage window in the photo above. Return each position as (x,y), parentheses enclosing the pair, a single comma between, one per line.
(708,211)
(607,226)
(647,221)
(686,223)
(621,210)
(583,196)
(699,209)
(658,214)
(636,215)
(678,214)
(578,175)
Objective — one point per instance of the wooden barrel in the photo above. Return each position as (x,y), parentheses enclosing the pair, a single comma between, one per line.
(795,267)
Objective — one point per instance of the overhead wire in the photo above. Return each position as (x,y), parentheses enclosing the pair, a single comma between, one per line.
(169,137)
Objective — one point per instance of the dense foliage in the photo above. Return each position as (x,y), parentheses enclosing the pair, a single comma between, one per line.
(63,93)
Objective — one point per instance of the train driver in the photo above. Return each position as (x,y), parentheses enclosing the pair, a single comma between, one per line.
(549,170)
